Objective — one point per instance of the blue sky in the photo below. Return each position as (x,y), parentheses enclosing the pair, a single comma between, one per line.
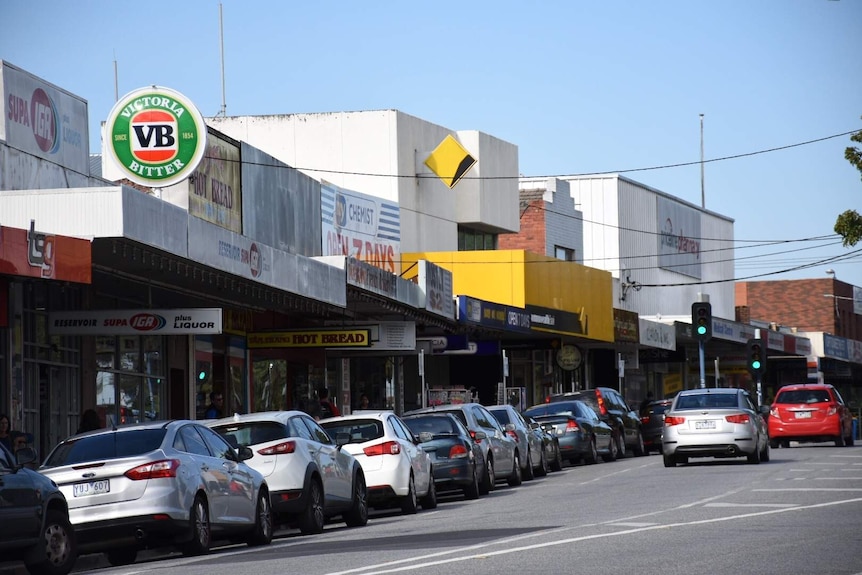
(579,87)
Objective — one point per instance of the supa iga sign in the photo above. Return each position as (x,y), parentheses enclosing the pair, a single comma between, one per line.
(156,136)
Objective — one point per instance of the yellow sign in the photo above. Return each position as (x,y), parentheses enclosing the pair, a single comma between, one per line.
(316,338)
(672,384)
(450,161)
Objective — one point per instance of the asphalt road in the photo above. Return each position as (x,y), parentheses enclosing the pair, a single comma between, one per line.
(799,513)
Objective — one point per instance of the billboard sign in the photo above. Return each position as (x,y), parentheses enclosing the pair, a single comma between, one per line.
(136,322)
(360,226)
(214,193)
(156,136)
(43,120)
(679,237)
(36,254)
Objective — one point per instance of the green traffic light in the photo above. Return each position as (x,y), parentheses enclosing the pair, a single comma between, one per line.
(755,364)
(701,330)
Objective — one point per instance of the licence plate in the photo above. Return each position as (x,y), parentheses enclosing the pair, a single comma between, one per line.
(707,424)
(803,415)
(91,488)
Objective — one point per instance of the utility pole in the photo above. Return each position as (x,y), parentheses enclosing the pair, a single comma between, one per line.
(702,185)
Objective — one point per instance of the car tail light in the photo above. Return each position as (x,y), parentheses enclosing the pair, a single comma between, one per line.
(280,449)
(154,470)
(473,435)
(832,410)
(511,433)
(458,451)
(738,418)
(645,419)
(603,410)
(572,426)
(671,420)
(387,448)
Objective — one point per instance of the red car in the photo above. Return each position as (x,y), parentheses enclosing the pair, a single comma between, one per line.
(810,412)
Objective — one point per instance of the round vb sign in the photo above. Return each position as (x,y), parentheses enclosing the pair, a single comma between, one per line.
(156,135)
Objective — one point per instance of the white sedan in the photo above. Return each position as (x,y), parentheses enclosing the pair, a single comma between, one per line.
(397,470)
(310,478)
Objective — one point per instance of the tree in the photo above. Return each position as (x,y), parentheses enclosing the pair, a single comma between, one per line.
(849,224)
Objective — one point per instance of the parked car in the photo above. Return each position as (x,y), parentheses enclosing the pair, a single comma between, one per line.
(456,458)
(502,457)
(397,470)
(159,484)
(713,422)
(310,478)
(652,423)
(550,443)
(581,434)
(533,460)
(614,411)
(810,412)
(34,517)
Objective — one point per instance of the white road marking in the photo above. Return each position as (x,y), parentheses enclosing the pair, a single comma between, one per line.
(812,489)
(630,524)
(720,504)
(397,566)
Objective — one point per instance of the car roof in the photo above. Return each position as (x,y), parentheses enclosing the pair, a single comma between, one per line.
(361,414)
(793,386)
(709,390)
(257,416)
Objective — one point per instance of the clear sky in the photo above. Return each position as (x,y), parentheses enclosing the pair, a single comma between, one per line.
(580,87)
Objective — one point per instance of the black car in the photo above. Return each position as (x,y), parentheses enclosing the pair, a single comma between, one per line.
(34,517)
(652,422)
(582,436)
(550,443)
(456,459)
(613,410)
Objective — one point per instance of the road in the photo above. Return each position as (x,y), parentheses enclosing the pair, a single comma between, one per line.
(799,513)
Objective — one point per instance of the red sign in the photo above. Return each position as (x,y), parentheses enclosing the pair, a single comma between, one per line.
(39,255)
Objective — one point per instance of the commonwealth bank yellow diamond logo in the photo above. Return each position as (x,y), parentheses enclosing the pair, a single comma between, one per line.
(450,161)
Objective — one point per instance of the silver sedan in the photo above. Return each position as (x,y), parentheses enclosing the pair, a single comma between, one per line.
(159,484)
(714,422)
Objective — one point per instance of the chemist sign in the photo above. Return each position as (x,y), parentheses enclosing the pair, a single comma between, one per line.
(156,136)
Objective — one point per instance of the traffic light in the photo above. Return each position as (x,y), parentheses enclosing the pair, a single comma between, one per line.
(701,320)
(755,353)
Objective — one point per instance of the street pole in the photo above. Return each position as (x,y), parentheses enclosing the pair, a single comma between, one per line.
(702,185)
(702,353)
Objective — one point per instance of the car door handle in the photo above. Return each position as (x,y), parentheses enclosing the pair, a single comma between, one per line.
(205,467)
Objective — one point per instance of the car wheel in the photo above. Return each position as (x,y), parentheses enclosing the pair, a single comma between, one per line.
(613,452)
(669,460)
(313,518)
(515,479)
(201,536)
(430,499)
(409,505)
(61,549)
(839,440)
(489,478)
(621,444)
(357,516)
(592,455)
(473,491)
(261,534)
(528,473)
(754,457)
(774,443)
(557,463)
(639,446)
(764,455)
(543,468)
(122,556)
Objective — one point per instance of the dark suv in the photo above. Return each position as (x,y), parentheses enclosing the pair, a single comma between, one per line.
(34,517)
(613,410)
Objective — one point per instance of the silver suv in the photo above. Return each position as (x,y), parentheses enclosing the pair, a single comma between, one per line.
(502,456)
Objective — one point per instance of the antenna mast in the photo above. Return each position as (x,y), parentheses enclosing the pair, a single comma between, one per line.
(223,110)
(116,85)
(702,188)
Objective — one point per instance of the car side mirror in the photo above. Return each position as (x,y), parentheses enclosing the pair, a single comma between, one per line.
(25,456)
(763,410)
(244,453)
(535,425)
(510,427)
(342,439)
(479,435)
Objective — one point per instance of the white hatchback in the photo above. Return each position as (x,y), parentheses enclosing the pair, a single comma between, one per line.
(397,470)
(310,478)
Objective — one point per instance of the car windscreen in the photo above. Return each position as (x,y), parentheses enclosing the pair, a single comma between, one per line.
(802,396)
(433,424)
(358,430)
(252,432)
(560,408)
(113,445)
(706,400)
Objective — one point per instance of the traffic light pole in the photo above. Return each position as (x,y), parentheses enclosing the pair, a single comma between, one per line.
(702,355)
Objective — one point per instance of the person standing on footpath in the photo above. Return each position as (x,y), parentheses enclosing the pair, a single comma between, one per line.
(327,408)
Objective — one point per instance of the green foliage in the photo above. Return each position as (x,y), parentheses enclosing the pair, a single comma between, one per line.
(849,224)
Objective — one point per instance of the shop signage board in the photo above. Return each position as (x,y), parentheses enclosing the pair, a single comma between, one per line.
(326,338)
(36,254)
(436,285)
(156,136)
(136,322)
(492,315)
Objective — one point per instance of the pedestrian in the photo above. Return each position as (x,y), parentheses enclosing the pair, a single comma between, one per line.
(216,405)
(327,408)
(5,431)
(644,407)
(363,401)
(89,421)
